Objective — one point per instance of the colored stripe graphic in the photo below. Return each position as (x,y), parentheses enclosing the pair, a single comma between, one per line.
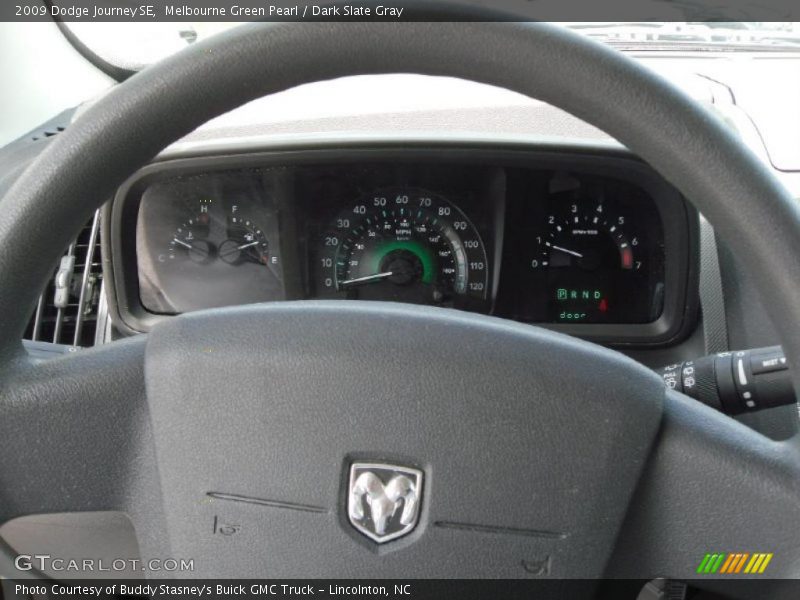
(754,563)
(732,563)
(733,557)
(703,563)
(765,563)
(727,564)
(712,558)
(740,564)
(716,564)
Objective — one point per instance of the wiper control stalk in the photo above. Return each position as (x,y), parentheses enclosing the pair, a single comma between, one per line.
(735,382)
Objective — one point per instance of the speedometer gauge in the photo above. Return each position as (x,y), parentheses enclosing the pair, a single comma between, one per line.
(404,245)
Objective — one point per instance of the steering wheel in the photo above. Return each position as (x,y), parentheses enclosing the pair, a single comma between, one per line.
(540,454)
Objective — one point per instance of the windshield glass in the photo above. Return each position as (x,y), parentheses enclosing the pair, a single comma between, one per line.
(135,45)
(716,35)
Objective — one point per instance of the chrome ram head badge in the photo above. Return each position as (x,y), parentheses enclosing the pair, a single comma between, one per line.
(383,500)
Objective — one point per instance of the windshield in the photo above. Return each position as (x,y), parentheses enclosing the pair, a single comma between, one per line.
(717,35)
(135,45)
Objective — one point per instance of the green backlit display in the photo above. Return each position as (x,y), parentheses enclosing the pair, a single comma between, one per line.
(419,250)
(580,304)
(564,295)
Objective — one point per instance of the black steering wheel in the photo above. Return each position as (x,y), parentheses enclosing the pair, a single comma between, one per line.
(534,448)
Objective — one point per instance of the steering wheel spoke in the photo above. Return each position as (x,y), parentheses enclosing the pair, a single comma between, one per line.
(72,431)
(257,433)
(713,486)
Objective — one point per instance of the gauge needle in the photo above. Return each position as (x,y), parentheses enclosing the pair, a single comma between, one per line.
(191,247)
(242,247)
(366,279)
(572,252)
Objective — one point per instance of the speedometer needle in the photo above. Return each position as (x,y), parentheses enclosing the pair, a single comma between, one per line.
(564,250)
(366,279)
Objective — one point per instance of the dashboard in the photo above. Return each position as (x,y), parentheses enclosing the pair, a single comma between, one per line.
(592,244)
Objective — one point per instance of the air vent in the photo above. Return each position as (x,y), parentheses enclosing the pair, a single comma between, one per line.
(47,133)
(67,308)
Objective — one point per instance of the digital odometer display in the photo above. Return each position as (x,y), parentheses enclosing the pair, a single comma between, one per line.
(405,245)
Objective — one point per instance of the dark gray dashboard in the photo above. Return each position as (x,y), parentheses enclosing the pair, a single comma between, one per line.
(592,243)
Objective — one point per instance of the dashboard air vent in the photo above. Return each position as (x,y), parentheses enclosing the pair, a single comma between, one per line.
(47,133)
(67,309)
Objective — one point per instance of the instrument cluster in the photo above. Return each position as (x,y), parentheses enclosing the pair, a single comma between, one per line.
(592,251)
(594,246)
(207,241)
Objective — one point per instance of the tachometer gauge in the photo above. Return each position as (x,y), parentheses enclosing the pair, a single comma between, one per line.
(587,240)
(591,258)
(404,245)
(581,249)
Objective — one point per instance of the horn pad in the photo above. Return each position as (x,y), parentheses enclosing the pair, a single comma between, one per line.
(529,442)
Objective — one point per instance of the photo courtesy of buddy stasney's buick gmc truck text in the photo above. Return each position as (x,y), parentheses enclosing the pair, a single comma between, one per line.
(266,589)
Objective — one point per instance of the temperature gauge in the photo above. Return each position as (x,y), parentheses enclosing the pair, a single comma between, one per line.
(190,239)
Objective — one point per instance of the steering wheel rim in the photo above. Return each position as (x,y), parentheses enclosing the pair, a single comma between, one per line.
(123,130)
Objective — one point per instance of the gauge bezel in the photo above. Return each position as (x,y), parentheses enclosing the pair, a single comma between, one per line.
(545,210)
(679,218)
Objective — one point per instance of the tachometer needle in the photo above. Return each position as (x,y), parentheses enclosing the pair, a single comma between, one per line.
(564,250)
(366,279)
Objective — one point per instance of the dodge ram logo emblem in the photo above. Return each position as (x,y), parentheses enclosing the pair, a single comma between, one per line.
(383,500)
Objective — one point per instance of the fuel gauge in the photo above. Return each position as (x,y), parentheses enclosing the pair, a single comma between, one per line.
(246,242)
